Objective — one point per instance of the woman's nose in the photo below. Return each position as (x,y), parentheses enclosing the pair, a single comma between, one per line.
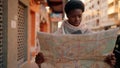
(77,18)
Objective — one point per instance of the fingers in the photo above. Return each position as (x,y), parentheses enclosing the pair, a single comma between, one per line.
(113,62)
(110,59)
(39,58)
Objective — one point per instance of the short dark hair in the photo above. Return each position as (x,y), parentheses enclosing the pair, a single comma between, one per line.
(74,4)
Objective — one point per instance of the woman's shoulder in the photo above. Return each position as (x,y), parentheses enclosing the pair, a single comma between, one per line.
(59,31)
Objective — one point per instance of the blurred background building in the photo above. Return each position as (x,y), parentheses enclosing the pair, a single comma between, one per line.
(102,13)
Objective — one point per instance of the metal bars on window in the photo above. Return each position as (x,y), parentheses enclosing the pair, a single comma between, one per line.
(3,33)
(22,34)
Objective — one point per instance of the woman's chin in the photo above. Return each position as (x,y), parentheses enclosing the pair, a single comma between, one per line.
(76,25)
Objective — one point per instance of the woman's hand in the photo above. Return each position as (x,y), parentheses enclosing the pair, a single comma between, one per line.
(39,59)
(110,59)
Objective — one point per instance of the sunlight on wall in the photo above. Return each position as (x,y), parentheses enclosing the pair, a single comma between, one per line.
(59,24)
(82,0)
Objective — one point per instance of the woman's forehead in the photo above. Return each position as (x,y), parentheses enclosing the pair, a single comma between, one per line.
(75,11)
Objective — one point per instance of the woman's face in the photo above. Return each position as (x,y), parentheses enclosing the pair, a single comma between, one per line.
(75,17)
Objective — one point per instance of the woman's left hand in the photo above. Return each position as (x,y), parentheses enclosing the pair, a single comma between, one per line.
(110,59)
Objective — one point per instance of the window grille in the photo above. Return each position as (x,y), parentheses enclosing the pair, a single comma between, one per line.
(1,35)
(22,34)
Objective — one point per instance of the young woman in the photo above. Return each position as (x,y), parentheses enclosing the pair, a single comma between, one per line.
(73,25)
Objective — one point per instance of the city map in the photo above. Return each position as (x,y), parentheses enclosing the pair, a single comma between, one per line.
(77,51)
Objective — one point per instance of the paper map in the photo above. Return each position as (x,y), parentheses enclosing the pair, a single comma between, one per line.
(77,51)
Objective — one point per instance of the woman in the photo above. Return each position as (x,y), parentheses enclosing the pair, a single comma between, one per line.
(74,10)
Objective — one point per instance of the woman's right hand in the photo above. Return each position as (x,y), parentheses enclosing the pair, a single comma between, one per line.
(39,59)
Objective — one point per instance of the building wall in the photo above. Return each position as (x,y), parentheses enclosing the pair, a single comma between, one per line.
(44,19)
(12,33)
(12,42)
(113,10)
(119,11)
(92,13)
(101,12)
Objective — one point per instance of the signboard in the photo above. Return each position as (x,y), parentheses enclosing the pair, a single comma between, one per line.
(55,17)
